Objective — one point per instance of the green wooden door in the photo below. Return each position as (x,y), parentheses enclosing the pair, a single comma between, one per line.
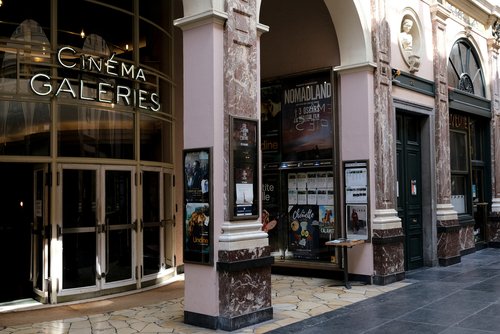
(409,188)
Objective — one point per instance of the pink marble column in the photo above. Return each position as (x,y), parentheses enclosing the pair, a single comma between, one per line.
(203,72)
(244,265)
(447,218)
(222,79)
(387,237)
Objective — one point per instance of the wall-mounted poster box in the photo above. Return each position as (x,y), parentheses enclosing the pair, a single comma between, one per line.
(357,224)
(198,224)
(244,177)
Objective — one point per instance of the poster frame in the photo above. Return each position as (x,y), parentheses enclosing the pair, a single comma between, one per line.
(194,199)
(247,148)
(357,197)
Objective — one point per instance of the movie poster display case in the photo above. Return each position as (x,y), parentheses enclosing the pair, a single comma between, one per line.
(198,227)
(244,176)
(298,178)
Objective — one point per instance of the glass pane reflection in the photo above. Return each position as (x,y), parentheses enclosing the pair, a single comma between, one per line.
(79,260)
(151,217)
(90,132)
(118,225)
(156,136)
(24,128)
(79,220)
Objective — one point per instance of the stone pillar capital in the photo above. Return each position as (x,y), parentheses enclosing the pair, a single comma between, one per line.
(235,235)
(386,219)
(440,13)
(445,212)
(261,28)
(210,16)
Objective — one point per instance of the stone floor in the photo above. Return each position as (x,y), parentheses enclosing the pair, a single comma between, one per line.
(460,299)
(293,299)
(463,298)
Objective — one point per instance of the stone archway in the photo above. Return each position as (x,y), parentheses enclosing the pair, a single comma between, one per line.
(353,32)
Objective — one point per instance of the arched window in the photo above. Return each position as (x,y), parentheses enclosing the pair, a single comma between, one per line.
(464,69)
(469,123)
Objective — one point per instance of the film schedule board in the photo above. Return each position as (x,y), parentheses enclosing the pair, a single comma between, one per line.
(356,192)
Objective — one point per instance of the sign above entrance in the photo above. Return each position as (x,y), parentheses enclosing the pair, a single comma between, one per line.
(105,90)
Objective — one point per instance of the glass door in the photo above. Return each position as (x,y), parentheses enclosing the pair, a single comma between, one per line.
(98,227)
(479,205)
(156,222)
(79,230)
(117,234)
(152,226)
(168,218)
(40,232)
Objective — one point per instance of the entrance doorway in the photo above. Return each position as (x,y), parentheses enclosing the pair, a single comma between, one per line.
(98,227)
(157,224)
(102,238)
(16,219)
(409,189)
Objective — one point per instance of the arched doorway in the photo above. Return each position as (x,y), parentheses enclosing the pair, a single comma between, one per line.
(296,179)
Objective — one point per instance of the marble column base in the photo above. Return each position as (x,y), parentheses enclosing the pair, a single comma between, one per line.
(388,256)
(466,237)
(244,278)
(495,205)
(244,287)
(448,243)
(493,230)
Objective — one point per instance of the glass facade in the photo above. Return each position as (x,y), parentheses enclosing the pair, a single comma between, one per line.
(86,109)
(97,77)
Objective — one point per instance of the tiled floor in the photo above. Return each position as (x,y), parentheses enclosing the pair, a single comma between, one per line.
(459,299)
(294,299)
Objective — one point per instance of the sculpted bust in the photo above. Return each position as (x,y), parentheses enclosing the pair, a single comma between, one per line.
(409,43)
(405,37)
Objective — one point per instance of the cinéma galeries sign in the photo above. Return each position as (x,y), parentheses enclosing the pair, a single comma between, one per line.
(102,90)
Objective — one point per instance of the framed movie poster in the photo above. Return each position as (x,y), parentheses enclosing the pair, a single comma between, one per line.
(244,198)
(356,200)
(198,225)
(307,117)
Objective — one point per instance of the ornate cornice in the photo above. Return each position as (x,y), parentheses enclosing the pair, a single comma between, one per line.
(440,13)
(480,10)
